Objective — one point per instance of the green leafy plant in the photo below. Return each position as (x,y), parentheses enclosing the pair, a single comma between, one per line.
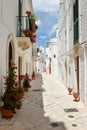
(10,97)
(32,17)
(20,90)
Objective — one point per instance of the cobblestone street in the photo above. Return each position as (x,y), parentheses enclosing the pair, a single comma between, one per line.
(47,106)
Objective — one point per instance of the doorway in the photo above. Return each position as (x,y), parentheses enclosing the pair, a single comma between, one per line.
(77,64)
(19,67)
(10,55)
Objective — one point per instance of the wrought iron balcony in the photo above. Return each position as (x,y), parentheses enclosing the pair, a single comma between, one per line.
(24,41)
(26,27)
(22,25)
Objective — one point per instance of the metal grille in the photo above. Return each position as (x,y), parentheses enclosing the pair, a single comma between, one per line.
(70,110)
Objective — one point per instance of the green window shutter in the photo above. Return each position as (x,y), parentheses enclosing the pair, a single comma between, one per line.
(20,8)
(75,20)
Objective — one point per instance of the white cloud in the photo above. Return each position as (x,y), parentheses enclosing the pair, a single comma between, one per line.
(53,30)
(42,37)
(45,5)
(38,22)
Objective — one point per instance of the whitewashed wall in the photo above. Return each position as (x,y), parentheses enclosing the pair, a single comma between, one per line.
(8,31)
(54,56)
(67,46)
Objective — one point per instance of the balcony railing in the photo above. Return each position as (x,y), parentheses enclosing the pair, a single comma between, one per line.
(26,27)
(22,24)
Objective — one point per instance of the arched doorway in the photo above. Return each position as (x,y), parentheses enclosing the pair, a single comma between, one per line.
(10,54)
(10,51)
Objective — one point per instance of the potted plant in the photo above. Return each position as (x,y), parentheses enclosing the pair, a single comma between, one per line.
(32,19)
(10,98)
(21,77)
(28,13)
(34,28)
(70,90)
(26,82)
(20,92)
(26,33)
(76,96)
(33,75)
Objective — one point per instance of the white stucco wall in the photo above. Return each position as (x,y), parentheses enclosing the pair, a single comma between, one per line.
(54,55)
(69,51)
(8,13)
(8,31)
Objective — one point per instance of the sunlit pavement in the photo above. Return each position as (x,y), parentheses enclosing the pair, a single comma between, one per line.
(47,106)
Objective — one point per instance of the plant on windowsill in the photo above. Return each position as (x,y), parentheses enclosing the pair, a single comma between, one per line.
(10,98)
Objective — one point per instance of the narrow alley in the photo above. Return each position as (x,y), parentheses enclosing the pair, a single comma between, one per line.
(47,106)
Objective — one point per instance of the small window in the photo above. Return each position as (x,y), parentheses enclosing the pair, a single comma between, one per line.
(54,56)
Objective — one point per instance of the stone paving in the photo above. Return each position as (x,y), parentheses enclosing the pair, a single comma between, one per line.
(47,106)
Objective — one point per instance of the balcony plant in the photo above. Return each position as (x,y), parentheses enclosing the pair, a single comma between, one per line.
(34,28)
(28,13)
(32,18)
(10,98)
(26,32)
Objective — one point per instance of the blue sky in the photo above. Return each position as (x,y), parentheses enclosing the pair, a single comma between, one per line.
(46,14)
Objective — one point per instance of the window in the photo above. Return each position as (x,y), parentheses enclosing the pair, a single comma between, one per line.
(75,20)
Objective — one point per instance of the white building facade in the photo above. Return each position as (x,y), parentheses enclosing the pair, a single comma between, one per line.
(54,48)
(41,66)
(14,45)
(48,59)
(72,60)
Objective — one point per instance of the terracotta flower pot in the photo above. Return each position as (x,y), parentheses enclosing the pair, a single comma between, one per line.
(28,13)
(33,78)
(6,113)
(69,90)
(25,89)
(26,33)
(76,96)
